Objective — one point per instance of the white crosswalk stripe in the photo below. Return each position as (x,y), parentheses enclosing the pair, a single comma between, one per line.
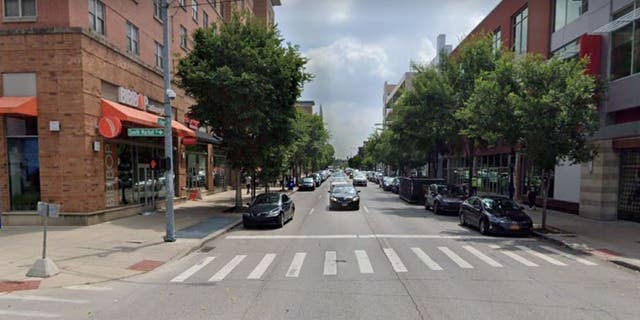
(569,256)
(28,314)
(482,256)
(363,262)
(426,259)
(456,258)
(192,270)
(395,261)
(222,273)
(515,256)
(296,265)
(330,263)
(41,299)
(262,266)
(542,256)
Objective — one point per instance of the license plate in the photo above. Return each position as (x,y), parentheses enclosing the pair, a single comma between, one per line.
(345,204)
(514,228)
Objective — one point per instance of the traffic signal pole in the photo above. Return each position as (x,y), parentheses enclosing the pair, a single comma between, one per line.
(169,95)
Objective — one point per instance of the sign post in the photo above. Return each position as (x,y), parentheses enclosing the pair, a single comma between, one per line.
(45,267)
(169,95)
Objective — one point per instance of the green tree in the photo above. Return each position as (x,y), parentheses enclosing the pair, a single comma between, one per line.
(245,81)
(558,113)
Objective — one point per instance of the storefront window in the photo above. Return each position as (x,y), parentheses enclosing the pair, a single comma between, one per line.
(24,165)
(629,194)
(197,173)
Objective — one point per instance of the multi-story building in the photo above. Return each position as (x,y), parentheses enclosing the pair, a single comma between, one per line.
(609,187)
(393,92)
(75,76)
(306,105)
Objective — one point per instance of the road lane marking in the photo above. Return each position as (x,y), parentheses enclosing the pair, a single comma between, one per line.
(296,265)
(514,256)
(542,256)
(456,258)
(41,299)
(330,263)
(569,256)
(366,209)
(362,236)
(395,261)
(195,268)
(262,266)
(483,256)
(89,288)
(311,211)
(426,259)
(28,314)
(222,273)
(363,262)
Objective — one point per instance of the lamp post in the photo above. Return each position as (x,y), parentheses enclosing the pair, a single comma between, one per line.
(169,95)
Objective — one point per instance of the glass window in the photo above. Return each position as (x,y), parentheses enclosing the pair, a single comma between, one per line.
(158,55)
(194,10)
(183,37)
(157,10)
(520,31)
(497,40)
(569,51)
(567,11)
(205,19)
(96,16)
(19,8)
(20,127)
(621,43)
(182,3)
(133,38)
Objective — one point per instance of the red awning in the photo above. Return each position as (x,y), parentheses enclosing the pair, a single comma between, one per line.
(27,106)
(128,114)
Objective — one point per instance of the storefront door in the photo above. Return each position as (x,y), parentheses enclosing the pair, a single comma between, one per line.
(629,193)
(24,164)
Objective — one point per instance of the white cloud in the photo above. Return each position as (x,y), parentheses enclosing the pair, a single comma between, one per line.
(339,11)
(427,51)
(350,56)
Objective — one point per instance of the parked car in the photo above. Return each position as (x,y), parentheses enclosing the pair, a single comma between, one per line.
(271,208)
(443,198)
(317,179)
(387,183)
(495,214)
(344,197)
(360,180)
(395,185)
(307,183)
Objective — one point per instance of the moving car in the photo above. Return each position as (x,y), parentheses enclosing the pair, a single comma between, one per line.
(495,214)
(360,180)
(271,208)
(344,197)
(307,183)
(443,198)
(337,183)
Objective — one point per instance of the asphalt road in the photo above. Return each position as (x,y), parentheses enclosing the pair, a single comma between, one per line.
(389,260)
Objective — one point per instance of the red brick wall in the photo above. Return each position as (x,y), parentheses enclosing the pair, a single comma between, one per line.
(50,13)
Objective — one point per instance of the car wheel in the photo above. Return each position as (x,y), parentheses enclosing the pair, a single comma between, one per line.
(436,209)
(484,227)
(281,220)
(463,222)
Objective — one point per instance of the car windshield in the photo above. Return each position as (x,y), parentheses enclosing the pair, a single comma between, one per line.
(450,191)
(499,204)
(307,180)
(344,189)
(267,198)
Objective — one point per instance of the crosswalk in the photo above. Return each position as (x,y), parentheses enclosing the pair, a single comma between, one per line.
(441,258)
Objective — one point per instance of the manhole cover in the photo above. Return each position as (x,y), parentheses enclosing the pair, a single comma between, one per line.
(207,249)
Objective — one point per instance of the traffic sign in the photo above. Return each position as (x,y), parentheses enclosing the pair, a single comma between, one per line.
(162,122)
(145,132)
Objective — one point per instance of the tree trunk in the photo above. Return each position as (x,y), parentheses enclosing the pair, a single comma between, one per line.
(238,189)
(472,163)
(512,160)
(545,196)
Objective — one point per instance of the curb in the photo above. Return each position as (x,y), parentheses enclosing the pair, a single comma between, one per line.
(564,244)
(208,238)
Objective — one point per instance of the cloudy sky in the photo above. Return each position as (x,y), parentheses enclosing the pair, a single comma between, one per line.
(354,46)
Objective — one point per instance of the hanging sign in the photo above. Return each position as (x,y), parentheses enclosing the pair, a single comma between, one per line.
(109,127)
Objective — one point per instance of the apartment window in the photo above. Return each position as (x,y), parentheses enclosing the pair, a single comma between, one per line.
(222,9)
(194,10)
(570,50)
(158,55)
(96,16)
(567,11)
(183,37)
(157,10)
(497,40)
(133,39)
(205,19)
(625,46)
(182,3)
(520,31)
(18,9)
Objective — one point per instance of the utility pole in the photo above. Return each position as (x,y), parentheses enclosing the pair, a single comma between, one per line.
(169,95)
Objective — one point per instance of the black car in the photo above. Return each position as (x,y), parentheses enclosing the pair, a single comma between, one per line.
(395,185)
(495,214)
(387,183)
(269,209)
(443,198)
(360,180)
(307,183)
(344,197)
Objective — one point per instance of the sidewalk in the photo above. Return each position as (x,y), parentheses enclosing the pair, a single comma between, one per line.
(115,249)
(615,241)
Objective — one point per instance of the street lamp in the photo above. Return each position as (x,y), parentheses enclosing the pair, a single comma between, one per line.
(169,95)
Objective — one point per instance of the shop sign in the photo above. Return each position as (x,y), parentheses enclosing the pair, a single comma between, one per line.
(109,127)
(191,123)
(138,100)
(111,175)
(145,132)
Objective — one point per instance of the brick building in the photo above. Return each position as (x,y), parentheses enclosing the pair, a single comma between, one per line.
(67,64)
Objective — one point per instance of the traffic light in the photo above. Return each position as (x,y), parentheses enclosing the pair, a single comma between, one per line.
(160,164)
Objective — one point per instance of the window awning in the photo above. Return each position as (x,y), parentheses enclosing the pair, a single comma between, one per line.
(27,106)
(128,114)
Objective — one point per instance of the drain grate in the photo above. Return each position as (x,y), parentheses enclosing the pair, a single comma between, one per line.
(206,249)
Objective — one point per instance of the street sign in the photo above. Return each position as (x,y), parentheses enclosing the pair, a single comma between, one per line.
(145,132)
(162,122)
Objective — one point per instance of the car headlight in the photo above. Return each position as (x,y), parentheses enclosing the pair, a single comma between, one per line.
(497,219)
(273,212)
(334,199)
(355,198)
